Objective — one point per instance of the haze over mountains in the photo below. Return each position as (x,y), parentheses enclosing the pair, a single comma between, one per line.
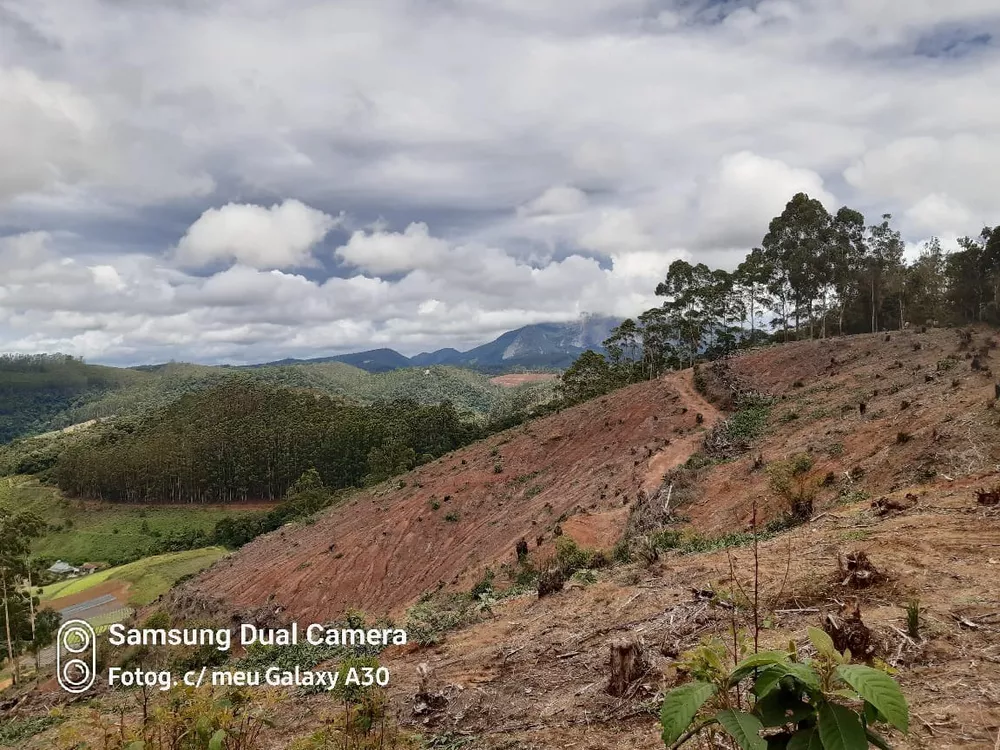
(548,345)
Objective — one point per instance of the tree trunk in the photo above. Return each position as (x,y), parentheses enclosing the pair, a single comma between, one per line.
(6,620)
(627,664)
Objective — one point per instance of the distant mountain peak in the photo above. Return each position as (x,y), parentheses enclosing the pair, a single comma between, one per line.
(540,345)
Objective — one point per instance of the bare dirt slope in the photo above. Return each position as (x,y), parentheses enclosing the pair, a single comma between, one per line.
(928,415)
(447,521)
(533,674)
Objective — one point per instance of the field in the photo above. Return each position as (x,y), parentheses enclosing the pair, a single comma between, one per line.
(147,578)
(103,532)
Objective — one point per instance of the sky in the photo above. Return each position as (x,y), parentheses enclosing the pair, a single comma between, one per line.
(244,180)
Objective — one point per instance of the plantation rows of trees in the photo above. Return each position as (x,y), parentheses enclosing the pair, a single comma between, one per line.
(246,441)
(815,274)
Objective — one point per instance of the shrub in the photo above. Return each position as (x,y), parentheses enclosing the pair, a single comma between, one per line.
(791,478)
(451,517)
(801,704)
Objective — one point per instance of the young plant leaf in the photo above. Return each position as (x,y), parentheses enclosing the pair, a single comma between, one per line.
(756,661)
(767,680)
(779,707)
(802,673)
(807,739)
(822,642)
(217,739)
(877,740)
(680,707)
(880,690)
(840,728)
(744,728)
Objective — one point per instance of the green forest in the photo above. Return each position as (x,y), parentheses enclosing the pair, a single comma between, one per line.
(244,441)
(815,274)
(39,393)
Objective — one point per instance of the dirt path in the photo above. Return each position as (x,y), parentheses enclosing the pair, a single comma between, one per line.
(680,448)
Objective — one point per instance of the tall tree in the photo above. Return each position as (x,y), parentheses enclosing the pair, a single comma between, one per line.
(16,532)
(753,277)
(884,266)
(848,252)
(798,243)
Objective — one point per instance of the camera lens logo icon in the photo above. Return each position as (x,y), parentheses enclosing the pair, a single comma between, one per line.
(76,656)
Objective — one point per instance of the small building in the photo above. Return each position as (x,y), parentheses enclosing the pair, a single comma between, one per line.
(88,568)
(61,568)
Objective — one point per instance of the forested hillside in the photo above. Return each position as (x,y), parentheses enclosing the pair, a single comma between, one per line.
(51,392)
(36,389)
(245,441)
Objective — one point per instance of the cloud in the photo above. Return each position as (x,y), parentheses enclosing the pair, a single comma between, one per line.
(561,199)
(50,134)
(745,192)
(174,176)
(382,252)
(282,236)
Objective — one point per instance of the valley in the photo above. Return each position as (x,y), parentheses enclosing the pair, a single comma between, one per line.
(819,450)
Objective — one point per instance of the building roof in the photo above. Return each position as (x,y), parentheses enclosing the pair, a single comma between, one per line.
(62,567)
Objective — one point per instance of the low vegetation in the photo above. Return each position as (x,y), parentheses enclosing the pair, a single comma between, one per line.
(778,699)
(147,578)
(115,534)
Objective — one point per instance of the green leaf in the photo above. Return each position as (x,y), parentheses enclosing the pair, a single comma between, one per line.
(680,707)
(877,740)
(801,672)
(822,642)
(137,745)
(744,728)
(840,728)
(756,661)
(217,739)
(880,690)
(807,739)
(780,707)
(767,680)
(871,714)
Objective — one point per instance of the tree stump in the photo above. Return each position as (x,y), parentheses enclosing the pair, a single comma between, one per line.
(522,550)
(627,664)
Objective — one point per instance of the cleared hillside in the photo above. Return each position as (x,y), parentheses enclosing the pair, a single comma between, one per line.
(447,521)
(898,482)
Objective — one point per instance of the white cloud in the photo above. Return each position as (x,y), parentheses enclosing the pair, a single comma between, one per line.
(745,192)
(382,252)
(560,199)
(939,214)
(532,160)
(50,134)
(282,236)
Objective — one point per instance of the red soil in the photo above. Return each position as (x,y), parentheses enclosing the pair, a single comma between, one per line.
(118,589)
(383,548)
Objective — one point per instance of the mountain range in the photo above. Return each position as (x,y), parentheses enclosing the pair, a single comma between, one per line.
(538,346)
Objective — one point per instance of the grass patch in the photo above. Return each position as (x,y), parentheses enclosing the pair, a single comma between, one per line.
(104,532)
(149,577)
(16,731)
(689,544)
